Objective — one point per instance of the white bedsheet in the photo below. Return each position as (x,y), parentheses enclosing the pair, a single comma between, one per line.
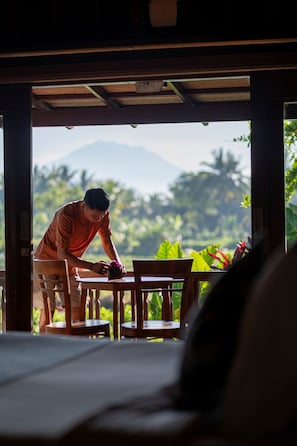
(72,380)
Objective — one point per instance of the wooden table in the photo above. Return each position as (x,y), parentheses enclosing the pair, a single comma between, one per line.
(118,288)
(127,283)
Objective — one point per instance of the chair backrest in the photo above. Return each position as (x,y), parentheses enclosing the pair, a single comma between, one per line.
(179,270)
(54,279)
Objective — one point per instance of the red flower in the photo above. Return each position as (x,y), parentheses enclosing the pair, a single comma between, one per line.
(224,259)
(242,248)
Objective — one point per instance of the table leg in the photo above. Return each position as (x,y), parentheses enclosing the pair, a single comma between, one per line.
(83,304)
(121,296)
(166,305)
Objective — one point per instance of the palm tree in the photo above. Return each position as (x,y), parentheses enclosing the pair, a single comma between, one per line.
(85,179)
(208,198)
(226,167)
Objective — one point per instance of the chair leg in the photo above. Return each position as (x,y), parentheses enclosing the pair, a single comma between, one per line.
(107,332)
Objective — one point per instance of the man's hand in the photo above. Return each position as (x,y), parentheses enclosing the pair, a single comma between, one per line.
(124,271)
(100,267)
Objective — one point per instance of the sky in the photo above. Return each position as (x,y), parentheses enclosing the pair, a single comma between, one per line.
(185,145)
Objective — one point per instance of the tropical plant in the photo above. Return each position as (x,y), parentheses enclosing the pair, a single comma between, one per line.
(201,262)
(208,198)
(226,260)
(290,142)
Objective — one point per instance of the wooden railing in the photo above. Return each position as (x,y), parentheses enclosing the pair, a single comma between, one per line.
(203,276)
(197,279)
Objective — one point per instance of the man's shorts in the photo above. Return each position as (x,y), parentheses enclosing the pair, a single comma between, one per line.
(75,292)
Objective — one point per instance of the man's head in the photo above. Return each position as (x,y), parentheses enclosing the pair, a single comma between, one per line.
(97,199)
(96,203)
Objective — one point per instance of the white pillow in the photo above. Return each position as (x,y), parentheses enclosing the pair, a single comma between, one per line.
(261,391)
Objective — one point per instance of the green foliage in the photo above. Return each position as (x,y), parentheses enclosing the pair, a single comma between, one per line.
(210,197)
(35,321)
(291,223)
(202,262)
(155,306)
(168,250)
(199,205)
(290,139)
(246,202)
(290,142)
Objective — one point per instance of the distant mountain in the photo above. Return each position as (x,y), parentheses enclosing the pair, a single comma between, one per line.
(132,166)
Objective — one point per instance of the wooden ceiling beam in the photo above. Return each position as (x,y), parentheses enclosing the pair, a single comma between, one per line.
(40,104)
(101,94)
(153,45)
(146,114)
(181,93)
(144,67)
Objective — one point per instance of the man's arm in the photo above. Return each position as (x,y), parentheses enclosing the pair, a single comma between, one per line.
(111,251)
(97,267)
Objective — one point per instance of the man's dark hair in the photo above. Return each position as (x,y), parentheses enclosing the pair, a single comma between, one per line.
(97,199)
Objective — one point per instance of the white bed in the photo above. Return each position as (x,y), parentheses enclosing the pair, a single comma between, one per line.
(64,391)
(51,387)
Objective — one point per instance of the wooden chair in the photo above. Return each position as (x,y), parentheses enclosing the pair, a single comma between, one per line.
(166,277)
(54,278)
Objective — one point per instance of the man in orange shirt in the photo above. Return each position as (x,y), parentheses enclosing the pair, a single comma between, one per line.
(68,236)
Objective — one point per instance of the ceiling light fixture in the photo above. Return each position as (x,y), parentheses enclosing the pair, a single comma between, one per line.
(149,86)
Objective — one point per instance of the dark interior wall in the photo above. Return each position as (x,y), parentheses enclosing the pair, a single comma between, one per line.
(63,23)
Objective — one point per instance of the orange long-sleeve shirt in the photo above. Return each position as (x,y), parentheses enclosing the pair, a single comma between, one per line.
(69,230)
